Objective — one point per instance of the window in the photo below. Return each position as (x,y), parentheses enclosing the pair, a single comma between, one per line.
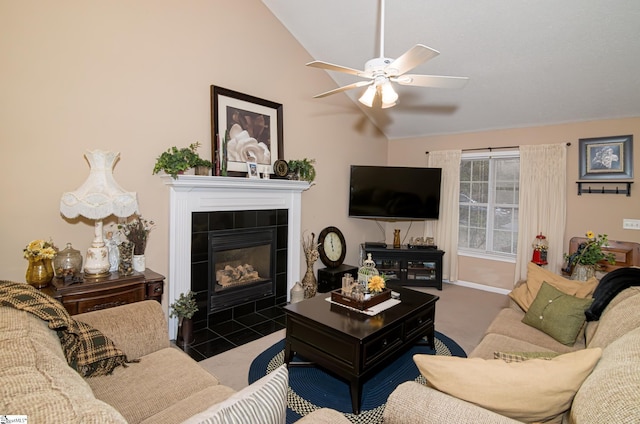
(489,190)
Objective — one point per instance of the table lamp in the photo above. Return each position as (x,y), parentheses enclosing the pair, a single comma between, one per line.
(99,197)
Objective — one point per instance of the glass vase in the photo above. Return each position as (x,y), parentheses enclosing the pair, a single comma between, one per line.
(39,272)
(68,263)
(125,267)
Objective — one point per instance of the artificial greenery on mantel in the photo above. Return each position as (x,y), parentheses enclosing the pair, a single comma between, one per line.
(176,161)
(303,169)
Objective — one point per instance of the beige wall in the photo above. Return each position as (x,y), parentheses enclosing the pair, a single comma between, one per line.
(601,213)
(134,77)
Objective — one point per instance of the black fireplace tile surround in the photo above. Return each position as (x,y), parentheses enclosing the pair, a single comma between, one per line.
(216,339)
(226,329)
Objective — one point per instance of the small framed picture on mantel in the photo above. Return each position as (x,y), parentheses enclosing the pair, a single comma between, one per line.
(252,170)
(606,158)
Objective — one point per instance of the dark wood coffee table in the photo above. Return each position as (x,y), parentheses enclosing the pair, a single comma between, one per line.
(352,345)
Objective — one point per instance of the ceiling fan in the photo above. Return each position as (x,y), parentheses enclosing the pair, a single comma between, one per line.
(380,72)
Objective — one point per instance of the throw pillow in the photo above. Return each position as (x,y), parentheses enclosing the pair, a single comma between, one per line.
(529,391)
(557,314)
(523,356)
(525,294)
(264,401)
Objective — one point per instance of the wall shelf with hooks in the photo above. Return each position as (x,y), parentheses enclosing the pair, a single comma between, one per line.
(602,187)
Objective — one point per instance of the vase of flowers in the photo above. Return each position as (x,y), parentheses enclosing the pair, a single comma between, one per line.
(39,253)
(585,261)
(309,282)
(137,232)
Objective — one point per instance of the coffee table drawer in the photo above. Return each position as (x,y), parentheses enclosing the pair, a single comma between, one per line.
(417,324)
(382,345)
(318,345)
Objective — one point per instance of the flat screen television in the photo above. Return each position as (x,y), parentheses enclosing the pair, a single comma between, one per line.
(394,192)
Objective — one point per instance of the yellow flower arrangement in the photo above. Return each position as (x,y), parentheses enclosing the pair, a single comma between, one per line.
(40,249)
(377,283)
(590,252)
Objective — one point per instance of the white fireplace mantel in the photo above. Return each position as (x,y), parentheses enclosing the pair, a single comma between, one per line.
(190,193)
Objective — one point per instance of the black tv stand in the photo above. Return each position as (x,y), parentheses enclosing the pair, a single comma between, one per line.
(409,267)
(375,244)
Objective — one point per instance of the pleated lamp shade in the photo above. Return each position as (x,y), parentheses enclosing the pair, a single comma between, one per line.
(99,197)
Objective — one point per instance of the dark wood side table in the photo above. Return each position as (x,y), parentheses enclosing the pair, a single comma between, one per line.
(114,290)
(352,345)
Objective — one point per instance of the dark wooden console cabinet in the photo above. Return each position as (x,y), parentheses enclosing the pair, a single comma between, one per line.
(114,290)
(412,267)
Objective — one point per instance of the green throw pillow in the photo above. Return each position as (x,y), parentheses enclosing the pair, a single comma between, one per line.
(557,314)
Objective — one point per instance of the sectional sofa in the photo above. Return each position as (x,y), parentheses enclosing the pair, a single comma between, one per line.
(519,373)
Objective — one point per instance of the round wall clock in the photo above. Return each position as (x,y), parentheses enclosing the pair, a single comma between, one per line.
(331,247)
(281,168)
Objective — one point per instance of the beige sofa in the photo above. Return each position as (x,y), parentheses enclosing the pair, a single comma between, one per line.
(610,394)
(166,386)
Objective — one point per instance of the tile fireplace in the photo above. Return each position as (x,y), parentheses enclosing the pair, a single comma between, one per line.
(262,209)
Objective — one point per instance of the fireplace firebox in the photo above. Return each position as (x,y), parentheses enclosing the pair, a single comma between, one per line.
(241,266)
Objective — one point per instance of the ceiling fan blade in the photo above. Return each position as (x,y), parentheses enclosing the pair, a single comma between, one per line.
(436,81)
(332,67)
(344,88)
(410,59)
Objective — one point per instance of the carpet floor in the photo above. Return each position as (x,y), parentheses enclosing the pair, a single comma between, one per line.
(311,388)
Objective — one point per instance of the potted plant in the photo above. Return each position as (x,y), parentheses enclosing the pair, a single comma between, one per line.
(303,169)
(202,166)
(175,161)
(184,308)
(584,263)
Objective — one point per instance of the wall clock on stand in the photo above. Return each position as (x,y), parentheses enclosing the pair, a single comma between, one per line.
(332,247)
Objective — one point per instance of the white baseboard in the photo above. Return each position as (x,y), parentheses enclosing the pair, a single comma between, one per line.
(478,287)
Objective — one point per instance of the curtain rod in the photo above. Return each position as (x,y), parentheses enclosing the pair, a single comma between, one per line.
(491,148)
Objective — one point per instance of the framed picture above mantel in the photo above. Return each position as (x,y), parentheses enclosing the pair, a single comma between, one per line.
(253,130)
(606,158)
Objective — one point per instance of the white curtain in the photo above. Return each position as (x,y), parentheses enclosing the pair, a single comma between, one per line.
(542,204)
(445,229)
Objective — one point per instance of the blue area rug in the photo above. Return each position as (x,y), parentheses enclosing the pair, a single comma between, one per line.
(311,388)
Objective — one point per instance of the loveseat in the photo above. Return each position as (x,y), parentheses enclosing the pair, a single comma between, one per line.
(165,386)
(607,392)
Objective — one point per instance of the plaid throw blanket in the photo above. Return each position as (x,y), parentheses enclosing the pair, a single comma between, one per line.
(86,349)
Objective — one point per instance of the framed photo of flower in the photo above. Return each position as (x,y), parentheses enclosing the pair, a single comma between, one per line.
(245,129)
(606,157)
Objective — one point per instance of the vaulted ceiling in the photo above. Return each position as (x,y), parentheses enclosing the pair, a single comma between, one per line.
(530,62)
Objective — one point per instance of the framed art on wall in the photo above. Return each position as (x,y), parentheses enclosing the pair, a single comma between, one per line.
(606,157)
(252,127)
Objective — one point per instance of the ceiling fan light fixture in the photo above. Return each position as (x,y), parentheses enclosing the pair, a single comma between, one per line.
(389,95)
(368,96)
